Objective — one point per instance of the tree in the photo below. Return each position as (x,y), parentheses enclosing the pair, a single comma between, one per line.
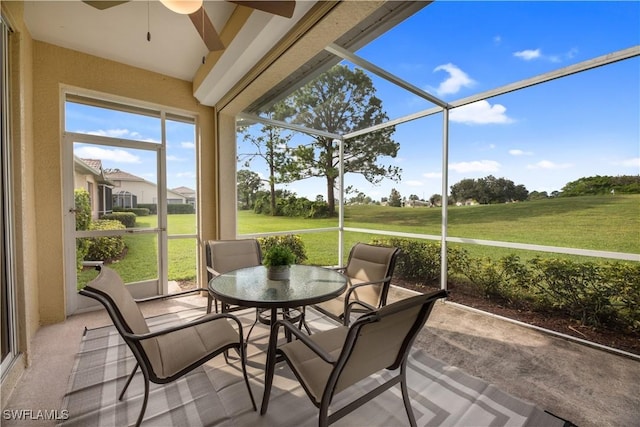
(395,199)
(340,101)
(488,190)
(249,184)
(435,200)
(536,195)
(464,190)
(272,147)
(594,185)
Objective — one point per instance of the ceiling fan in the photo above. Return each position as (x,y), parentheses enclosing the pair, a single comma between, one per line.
(199,17)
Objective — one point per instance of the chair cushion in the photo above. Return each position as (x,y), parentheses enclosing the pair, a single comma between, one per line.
(228,255)
(181,348)
(110,283)
(312,370)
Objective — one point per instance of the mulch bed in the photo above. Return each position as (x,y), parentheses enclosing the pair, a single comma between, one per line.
(559,322)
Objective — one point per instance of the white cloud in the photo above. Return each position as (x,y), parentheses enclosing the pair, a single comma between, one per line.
(173,158)
(119,133)
(457,80)
(520,153)
(528,54)
(497,39)
(531,54)
(480,112)
(547,164)
(475,166)
(413,183)
(116,155)
(629,163)
(187,145)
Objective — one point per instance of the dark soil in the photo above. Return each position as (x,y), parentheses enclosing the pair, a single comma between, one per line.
(559,322)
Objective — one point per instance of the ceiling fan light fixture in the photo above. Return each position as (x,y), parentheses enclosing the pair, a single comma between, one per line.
(183,7)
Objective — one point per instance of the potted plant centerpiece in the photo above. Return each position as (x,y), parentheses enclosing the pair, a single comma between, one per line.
(278,259)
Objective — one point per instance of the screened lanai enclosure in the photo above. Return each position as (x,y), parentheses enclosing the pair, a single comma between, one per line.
(419,112)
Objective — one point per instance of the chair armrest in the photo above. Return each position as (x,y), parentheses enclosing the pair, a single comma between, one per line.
(213,272)
(305,340)
(353,288)
(195,322)
(368,307)
(173,295)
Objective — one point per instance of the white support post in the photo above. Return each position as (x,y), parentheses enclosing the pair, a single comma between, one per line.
(445,199)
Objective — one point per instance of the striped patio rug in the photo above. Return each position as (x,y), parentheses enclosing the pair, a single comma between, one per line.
(215,394)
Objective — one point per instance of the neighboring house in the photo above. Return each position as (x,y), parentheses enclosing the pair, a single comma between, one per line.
(468,202)
(409,203)
(88,174)
(130,191)
(188,193)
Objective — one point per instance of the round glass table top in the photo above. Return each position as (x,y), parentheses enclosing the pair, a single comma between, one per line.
(250,287)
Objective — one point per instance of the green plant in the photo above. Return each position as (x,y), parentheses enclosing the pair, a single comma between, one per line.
(105,248)
(278,256)
(293,242)
(83,220)
(128,219)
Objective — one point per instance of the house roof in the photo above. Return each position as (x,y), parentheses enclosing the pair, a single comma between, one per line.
(120,175)
(91,166)
(185,191)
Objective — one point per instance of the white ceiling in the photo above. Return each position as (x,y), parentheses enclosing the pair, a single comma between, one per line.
(175,49)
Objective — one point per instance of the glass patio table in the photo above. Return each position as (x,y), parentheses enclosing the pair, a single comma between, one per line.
(250,287)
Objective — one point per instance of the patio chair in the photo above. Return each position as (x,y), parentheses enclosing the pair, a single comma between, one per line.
(369,270)
(168,354)
(227,255)
(331,361)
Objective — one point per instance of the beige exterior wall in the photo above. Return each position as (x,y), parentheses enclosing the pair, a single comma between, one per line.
(53,67)
(27,299)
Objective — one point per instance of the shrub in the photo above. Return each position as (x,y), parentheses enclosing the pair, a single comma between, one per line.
(83,220)
(420,260)
(292,206)
(594,294)
(291,241)
(153,208)
(105,248)
(128,219)
(577,288)
(180,208)
(625,279)
(137,211)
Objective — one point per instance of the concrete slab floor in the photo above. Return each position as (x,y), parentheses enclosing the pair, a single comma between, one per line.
(587,386)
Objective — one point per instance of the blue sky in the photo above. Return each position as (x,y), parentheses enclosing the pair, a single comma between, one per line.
(543,137)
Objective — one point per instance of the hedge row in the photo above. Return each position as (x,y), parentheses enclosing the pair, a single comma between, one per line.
(137,211)
(596,294)
(128,219)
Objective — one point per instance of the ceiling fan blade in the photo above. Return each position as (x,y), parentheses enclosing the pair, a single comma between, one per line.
(283,8)
(206,30)
(104,4)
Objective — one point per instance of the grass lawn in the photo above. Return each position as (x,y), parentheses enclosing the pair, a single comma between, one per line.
(608,223)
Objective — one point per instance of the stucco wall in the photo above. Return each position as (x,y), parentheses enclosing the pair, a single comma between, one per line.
(54,66)
(22,150)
